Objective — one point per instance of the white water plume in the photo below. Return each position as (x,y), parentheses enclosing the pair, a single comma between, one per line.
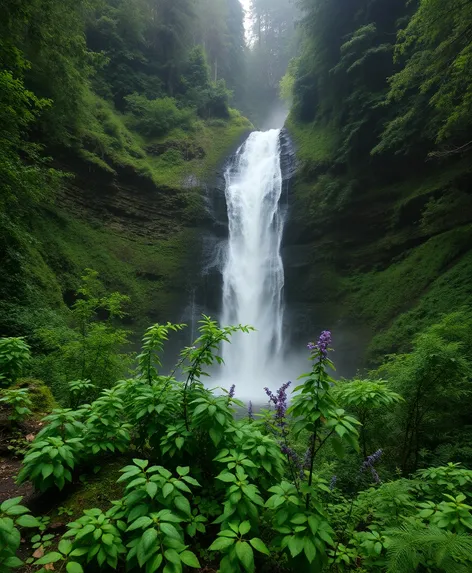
(253,274)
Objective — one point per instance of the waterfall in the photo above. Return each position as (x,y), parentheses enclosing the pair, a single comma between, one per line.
(253,274)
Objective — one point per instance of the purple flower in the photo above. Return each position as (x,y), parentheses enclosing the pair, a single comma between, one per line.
(293,458)
(249,411)
(280,402)
(307,457)
(332,483)
(231,391)
(368,465)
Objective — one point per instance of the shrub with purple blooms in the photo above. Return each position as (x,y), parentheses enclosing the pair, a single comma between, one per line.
(212,485)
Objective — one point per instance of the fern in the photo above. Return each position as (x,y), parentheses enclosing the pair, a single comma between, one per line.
(415,544)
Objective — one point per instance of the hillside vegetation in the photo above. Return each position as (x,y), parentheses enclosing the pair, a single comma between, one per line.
(114,119)
(381,118)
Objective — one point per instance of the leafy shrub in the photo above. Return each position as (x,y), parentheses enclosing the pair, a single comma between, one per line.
(259,500)
(18,402)
(93,348)
(14,356)
(50,462)
(158,116)
(12,516)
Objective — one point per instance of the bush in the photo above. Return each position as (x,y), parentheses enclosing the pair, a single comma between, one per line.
(158,116)
(14,355)
(246,493)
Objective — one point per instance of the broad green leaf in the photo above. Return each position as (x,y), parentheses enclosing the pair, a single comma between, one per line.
(182,504)
(310,549)
(167,489)
(172,556)
(12,562)
(140,523)
(226,477)
(49,558)
(151,488)
(244,527)
(10,503)
(189,559)
(65,546)
(221,544)
(27,521)
(148,538)
(259,545)
(296,545)
(169,530)
(245,555)
(74,567)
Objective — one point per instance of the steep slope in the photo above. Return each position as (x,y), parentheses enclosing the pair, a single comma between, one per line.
(375,262)
(133,216)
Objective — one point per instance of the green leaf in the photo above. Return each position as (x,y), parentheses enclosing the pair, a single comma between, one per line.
(151,488)
(244,527)
(183,471)
(167,489)
(189,559)
(296,545)
(10,503)
(245,554)
(153,565)
(65,546)
(141,463)
(172,556)
(226,477)
(299,518)
(49,558)
(12,562)
(141,522)
(259,545)
(149,538)
(179,442)
(310,549)
(17,510)
(74,567)
(27,521)
(221,544)
(183,505)
(169,530)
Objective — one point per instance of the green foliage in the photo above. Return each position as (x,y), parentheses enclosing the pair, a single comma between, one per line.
(13,516)
(433,380)
(18,403)
(14,356)
(91,351)
(435,52)
(257,501)
(157,117)
(50,462)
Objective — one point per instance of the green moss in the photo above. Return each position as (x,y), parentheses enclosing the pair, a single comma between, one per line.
(315,142)
(96,490)
(107,142)
(215,138)
(450,291)
(41,396)
(151,273)
(414,290)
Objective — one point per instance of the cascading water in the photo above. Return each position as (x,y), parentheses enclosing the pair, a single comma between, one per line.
(253,274)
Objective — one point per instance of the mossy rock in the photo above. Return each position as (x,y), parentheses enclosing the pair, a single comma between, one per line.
(96,490)
(40,394)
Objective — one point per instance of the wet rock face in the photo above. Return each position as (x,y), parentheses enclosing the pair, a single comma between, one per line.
(288,162)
